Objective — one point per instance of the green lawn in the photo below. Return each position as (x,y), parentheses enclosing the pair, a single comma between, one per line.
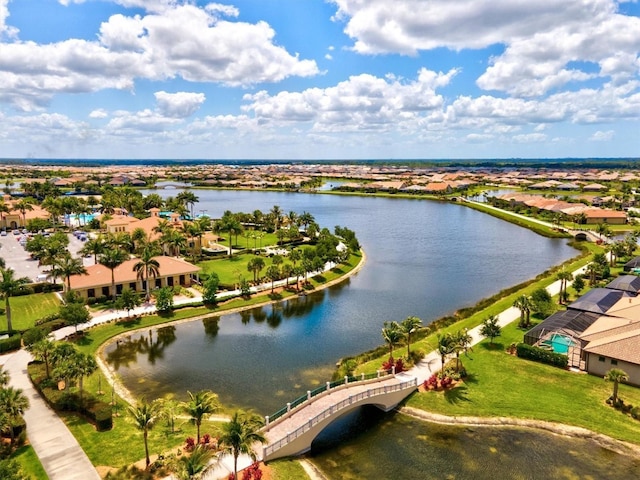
(26,309)
(30,463)
(287,469)
(507,386)
(123,444)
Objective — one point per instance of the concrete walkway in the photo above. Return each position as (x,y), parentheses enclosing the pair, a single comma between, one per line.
(58,450)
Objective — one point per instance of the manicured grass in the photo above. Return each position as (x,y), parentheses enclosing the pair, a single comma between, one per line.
(30,463)
(26,309)
(507,386)
(123,444)
(287,469)
(263,240)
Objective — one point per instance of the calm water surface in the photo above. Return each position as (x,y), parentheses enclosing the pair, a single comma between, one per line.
(424,258)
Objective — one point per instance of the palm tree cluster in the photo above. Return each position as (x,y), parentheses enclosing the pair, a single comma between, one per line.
(453,343)
(13,404)
(394,333)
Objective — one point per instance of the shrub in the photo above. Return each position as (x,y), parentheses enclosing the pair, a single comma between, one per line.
(189,444)
(10,344)
(541,355)
(635,413)
(431,382)
(33,335)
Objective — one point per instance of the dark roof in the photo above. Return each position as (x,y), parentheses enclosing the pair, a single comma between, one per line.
(625,283)
(634,263)
(573,322)
(598,300)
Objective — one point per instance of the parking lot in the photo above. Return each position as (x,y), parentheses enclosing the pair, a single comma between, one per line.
(17,258)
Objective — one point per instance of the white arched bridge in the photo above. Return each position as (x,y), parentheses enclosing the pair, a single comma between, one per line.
(291,430)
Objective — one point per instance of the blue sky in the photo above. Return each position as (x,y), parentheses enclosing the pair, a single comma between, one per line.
(319,79)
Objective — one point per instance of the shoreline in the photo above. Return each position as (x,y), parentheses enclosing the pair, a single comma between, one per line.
(605,441)
(123,392)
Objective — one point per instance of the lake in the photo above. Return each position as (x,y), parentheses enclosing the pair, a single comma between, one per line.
(424,258)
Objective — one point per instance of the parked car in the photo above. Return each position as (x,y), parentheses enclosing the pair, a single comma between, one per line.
(3,233)
(16,232)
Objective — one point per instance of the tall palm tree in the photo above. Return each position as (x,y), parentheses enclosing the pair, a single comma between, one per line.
(445,346)
(277,215)
(616,376)
(147,266)
(409,326)
(112,259)
(564,277)
(43,350)
(144,417)
(9,285)
(200,405)
(93,246)
(67,266)
(188,199)
(24,205)
(392,334)
(524,304)
(461,342)
(255,265)
(240,434)
(13,403)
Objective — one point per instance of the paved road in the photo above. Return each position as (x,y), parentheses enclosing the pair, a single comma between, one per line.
(58,450)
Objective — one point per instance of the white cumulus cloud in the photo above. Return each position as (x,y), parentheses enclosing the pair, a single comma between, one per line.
(180,104)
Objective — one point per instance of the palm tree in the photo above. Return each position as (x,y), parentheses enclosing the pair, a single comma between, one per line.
(147,266)
(9,285)
(67,266)
(392,334)
(461,342)
(144,416)
(93,246)
(112,259)
(276,212)
(196,465)
(445,346)
(240,434)
(616,376)
(85,366)
(272,273)
(23,206)
(564,277)
(200,405)
(42,350)
(255,265)
(409,326)
(189,199)
(13,403)
(524,304)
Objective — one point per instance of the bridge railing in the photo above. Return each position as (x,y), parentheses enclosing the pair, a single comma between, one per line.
(269,449)
(349,380)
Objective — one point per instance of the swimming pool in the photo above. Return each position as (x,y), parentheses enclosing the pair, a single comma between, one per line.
(558,343)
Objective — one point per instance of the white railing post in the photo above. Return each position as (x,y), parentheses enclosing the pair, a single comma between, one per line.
(288,406)
(346,379)
(378,372)
(266,420)
(393,370)
(328,386)
(363,376)
(308,394)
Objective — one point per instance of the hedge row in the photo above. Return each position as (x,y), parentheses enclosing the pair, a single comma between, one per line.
(11,343)
(96,410)
(542,355)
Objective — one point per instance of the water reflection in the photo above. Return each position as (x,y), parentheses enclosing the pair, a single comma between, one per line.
(129,349)
(211,326)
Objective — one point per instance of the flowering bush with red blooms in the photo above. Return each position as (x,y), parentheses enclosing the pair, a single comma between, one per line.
(431,382)
(252,472)
(206,438)
(190,444)
(388,364)
(399,366)
(446,382)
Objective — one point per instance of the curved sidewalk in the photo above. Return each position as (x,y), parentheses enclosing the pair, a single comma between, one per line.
(58,450)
